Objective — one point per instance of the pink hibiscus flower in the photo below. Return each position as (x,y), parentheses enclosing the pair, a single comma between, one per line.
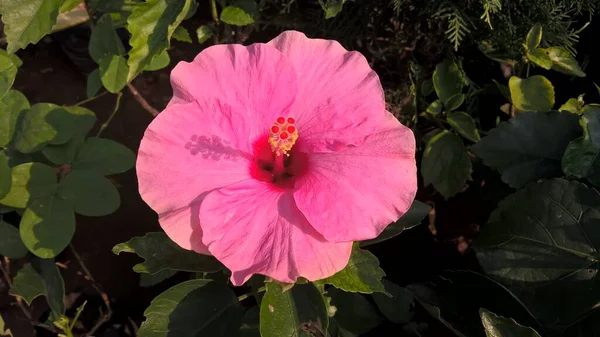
(275,157)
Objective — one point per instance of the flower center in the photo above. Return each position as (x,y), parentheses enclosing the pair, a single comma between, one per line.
(282,136)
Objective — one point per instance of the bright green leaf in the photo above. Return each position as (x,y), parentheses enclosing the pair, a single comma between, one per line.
(159,61)
(498,326)
(417,212)
(332,7)
(203,33)
(435,108)
(546,233)
(534,37)
(534,93)
(11,245)
(12,105)
(354,312)
(8,72)
(104,41)
(29,182)
(90,193)
(454,102)
(400,307)
(529,146)
(160,253)
(193,308)
(582,160)
(94,83)
(4,331)
(464,124)
(573,105)
(69,5)
(181,34)
(42,124)
(104,156)
(540,57)
(151,25)
(289,313)
(446,164)
(362,274)
(148,280)
(47,226)
(113,73)
(15,59)
(27,21)
(5,175)
(236,16)
(563,62)
(448,80)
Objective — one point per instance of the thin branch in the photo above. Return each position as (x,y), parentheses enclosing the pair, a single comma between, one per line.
(112,115)
(213,11)
(138,97)
(91,99)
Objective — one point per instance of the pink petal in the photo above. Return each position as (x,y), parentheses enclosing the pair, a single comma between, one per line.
(188,150)
(251,229)
(258,78)
(354,194)
(340,100)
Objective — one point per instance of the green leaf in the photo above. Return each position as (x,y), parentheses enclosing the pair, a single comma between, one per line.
(3,330)
(540,57)
(30,181)
(464,124)
(27,21)
(159,61)
(354,312)
(104,156)
(250,323)
(534,37)
(203,33)
(590,120)
(11,245)
(435,108)
(417,212)
(582,160)
(104,41)
(293,312)
(236,16)
(503,90)
(454,102)
(448,80)
(446,164)
(90,193)
(563,62)
(427,88)
(535,93)
(160,253)
(15,59)
(181,34)
(332,7)
(47,226)
(400,307)
(573,105)
(151,25)
(41,277)
(529,146)
(8,72)
(69,5)
(44,123)
(12,105)
(94,83)
(546,233)
(113,73)
(362,274)
(148,280)
(5,175)
(65,153)
(497,326)
(193,308)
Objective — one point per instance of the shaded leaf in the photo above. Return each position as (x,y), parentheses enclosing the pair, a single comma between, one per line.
(362,274)
(250,323)
(534,93)
(65,153)
(94,83)
(11,245)
(5,175)
(159,61)
(8,72)
(298,311)
(28,284)
(332,7)
(529,146)
(113,73)
(12,105)
(3,330)
(455,102)
(29,182)
(160,253)
(181,34)
(464,124)
(503,90)
(193,308)
(69,5)
(400,307)
(591,123)
(427,88)
(151,25)
(417,212)
(104,156)
(47,226)
(497,326)
(540,57)
(446,164)
(534,37)
(90,193)
(435,108)
(448,80)
(546,233)
(563,62)
(203,33)
(27,21)
(104,41)
(354,312)
(148,280)
(582,160)
(44,123)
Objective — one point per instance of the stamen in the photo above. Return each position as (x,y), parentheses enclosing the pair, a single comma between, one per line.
(283,136)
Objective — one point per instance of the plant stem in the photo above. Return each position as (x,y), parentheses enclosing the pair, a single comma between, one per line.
(138,97)
(252,293)
(213,10)
(90,99)
(112,115)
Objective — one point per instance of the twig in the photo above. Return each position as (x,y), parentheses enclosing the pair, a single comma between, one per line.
(112,115)
(213,11)
(90,99)
(106,316)
(6,274)
(138,97)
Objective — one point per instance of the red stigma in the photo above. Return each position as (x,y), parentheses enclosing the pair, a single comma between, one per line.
(291,129)
(291,120)
(280,120)
(275,129)
(283,135)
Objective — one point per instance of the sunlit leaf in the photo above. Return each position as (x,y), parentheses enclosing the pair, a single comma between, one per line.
(540,57)
(113,73)
(534,93)
(181,34)
(104,156)
(8,72)
(29,182)
(529,146)
(534,37)
(203,33)
(4,331)
(400,307)
(573,105)
(464,124)
(563,62)
(12,105)
(11,245)
(497,326)
(159,61)
(332,7)
(69,5)
(417,212)
(160,253)
(27,21)
(90,193)
(193,308)
(448,80)
(236,16)
(44,123)
(5,175)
